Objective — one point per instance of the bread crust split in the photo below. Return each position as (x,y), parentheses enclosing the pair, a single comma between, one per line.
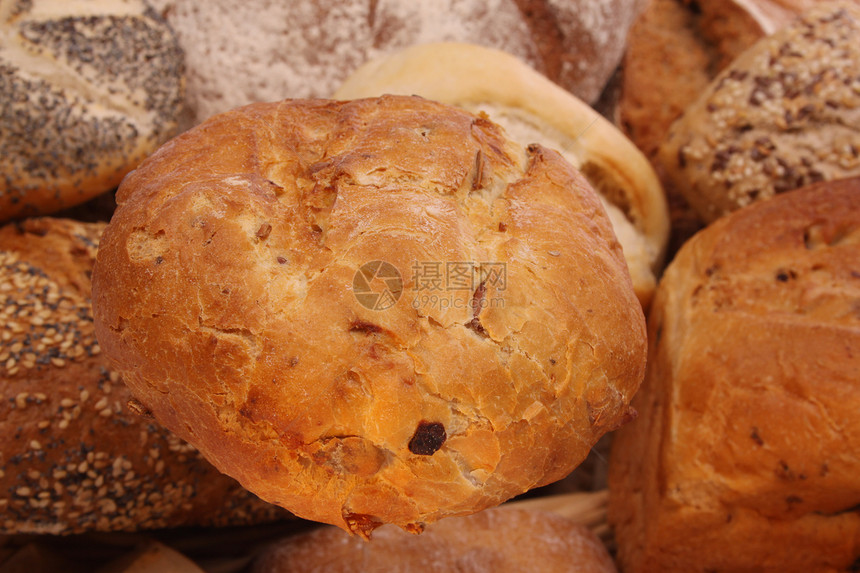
(532,109)
(744,454)
(225,294)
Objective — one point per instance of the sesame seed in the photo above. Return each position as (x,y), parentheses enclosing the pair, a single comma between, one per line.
(34,444)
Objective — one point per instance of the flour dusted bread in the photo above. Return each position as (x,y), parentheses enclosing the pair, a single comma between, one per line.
(784,114)
(88,89)
(498,540)
(744,454)
(534,110)
(267,50)
(376,311)
(73,457)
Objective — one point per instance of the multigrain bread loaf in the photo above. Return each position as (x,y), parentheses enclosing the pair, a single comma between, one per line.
(265,50)
(675,48)
(744,454)
(498,540)
(87,90)
(534,110)
(375,311)
(784,114)
(73,458)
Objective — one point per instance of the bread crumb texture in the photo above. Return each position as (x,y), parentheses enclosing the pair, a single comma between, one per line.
(225,292)
(88,90)
(784,114)
(748,425)
(72,457)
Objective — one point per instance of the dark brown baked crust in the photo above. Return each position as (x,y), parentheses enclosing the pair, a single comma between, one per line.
(73,458)
(744,455)
(224,293)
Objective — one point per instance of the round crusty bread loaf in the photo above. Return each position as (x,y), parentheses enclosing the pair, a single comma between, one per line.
(532,109)
(499,540)
(72,457)
(376,311)
(784,114)
(744,456)
(265,50)
(87,90)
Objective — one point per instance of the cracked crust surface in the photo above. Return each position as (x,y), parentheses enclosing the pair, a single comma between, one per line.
(747,429)
(225,293)
(532,109)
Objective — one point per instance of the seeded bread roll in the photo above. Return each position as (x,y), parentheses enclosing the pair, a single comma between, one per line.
(785,114)
(375,311)
(534,110)
(87,90)
(265,50)
(73,458)
(744,456)
(498,540)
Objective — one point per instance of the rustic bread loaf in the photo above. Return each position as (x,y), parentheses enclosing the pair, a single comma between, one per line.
(73,458)
(498,540)
(265,50)
(375,311)
(744,456)
(534,110)
(784,114)
(88,89)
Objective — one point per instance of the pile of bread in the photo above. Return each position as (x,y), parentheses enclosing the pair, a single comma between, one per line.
(229,291)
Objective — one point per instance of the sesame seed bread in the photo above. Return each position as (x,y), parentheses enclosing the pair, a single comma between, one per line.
(247,289)
(73,458)
(267,50)
(532,109)
(744,456)
(784,114)
(87,90)
(499,540)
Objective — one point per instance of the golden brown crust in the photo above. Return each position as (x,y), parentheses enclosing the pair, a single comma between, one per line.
(87,91)
(497,540)
(785,114)
(257,222)
(534,110)
(747,427)
(72,457)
